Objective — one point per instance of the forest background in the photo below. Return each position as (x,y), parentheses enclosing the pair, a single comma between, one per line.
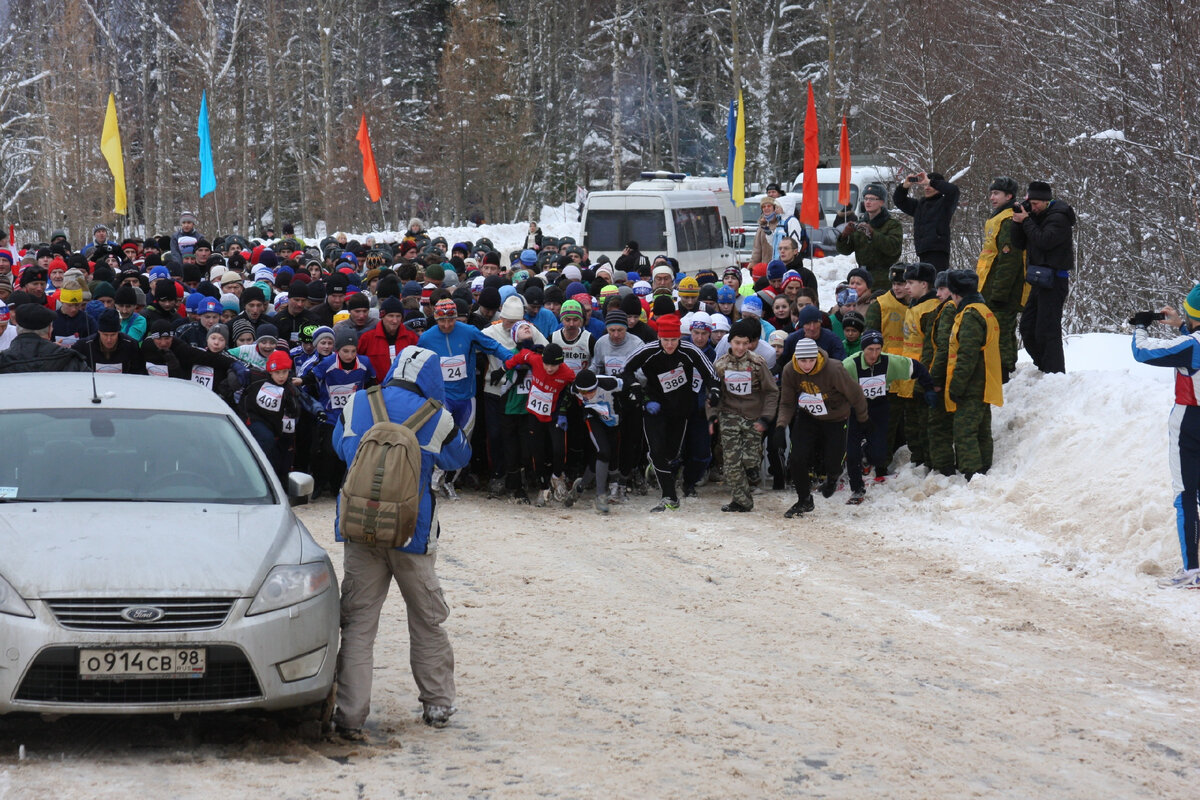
(487,109)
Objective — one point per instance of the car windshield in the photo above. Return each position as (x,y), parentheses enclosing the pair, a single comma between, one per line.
(115,455)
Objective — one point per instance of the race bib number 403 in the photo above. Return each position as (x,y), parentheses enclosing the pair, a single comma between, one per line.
(270,397)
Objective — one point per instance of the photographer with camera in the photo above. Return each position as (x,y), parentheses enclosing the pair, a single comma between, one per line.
(1043,231)
(931,213)
(875,242)
(1182,353)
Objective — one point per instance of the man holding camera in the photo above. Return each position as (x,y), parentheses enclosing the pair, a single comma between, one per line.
(1044,232)
(931,215)
(1183,354)
(876,242)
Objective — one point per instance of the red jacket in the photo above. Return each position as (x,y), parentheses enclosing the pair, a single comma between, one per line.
(373,346)
(544,388)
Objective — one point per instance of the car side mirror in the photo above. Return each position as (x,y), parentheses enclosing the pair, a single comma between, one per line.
(299,488)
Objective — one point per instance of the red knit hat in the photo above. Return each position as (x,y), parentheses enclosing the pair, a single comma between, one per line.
(668,326)
(279,359)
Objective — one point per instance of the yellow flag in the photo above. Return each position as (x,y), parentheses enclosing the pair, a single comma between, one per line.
(110,146)
(739,158)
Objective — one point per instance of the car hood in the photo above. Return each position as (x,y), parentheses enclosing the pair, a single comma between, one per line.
(143,549)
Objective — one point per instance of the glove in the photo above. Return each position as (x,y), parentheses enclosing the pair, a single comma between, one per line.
(495,376)
(636,392)
(653,407)
(931,398)
(714,396)
(1143,318)
(561,422)
(322,417)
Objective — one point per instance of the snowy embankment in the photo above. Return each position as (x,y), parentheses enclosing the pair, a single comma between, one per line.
(1080,488)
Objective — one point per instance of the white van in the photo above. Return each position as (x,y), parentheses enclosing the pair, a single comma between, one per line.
(662,181)
(685,225)
(828,180)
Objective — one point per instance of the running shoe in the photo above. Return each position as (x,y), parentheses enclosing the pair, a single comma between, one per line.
(437,716)
(666,505)
(856,498)
(1182,579)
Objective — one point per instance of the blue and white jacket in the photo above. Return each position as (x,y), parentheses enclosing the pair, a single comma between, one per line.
(1181,353)
(415,376)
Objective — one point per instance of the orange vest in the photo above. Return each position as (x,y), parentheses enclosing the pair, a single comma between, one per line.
(993,393)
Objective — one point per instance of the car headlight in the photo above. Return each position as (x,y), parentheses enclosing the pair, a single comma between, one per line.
(11,602)
(289,584)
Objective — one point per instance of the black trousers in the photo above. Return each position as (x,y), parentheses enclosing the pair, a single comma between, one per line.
(665,434)
(939,258)
(808,433)
(1041,326)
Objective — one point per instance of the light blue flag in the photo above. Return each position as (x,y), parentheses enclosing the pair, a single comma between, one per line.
(208,178)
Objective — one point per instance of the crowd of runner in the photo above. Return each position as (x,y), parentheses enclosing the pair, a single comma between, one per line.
(572,379)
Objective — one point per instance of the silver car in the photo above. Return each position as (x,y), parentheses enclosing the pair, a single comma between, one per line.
(149,558)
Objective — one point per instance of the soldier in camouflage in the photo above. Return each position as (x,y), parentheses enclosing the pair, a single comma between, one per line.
(1001,269)
(744,402)
(973,381)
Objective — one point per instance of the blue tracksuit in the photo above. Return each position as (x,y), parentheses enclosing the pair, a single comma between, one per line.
(442,443)
(337,385)
(1182,353)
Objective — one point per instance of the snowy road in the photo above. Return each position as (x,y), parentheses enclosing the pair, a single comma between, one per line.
(694,655)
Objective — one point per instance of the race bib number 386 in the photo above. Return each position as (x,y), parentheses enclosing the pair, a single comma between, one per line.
(673,380)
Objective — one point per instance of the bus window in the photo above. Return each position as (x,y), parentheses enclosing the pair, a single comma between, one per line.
(604,230)
(644,227)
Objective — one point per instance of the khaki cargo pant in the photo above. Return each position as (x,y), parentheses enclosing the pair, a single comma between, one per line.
(368,574)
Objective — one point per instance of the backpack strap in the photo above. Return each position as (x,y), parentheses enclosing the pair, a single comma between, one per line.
(378,409)
(423,415)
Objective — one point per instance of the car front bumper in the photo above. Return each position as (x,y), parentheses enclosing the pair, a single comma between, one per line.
(248,658)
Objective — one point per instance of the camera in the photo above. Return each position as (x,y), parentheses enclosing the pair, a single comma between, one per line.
(1024,204)
(1146,317)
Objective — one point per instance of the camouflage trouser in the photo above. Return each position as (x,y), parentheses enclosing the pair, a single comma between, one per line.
(1008,338)
(742,447)
(916,423)
(940,433)
(973,436)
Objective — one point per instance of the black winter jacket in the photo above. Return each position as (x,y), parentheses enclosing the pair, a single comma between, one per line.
(1047,237)
(31,353)
(931,215)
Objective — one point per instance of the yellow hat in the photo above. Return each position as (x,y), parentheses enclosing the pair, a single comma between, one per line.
(341,316)
(689,287)
(70,296)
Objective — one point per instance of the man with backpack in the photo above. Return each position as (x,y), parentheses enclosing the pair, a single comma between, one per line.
(391,529)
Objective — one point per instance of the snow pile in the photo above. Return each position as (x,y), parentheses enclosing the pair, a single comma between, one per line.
(1080,479)
(556,221)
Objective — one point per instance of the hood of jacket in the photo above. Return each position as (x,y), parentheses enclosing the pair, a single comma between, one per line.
(419,370)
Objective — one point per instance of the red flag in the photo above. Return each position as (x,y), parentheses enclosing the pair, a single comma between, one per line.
(810,204)
(844,182)
(370,172)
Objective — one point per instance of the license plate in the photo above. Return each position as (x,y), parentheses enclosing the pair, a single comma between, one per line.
(136,662)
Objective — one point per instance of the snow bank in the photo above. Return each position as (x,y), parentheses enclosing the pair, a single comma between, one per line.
(1080,481)
(554,221)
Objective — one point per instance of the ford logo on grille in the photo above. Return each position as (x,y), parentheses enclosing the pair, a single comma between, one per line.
(143,614)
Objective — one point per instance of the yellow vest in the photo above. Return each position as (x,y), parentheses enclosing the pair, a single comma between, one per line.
(987,256)
(993,394)
(914,341)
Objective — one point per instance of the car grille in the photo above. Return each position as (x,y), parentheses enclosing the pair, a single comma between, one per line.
(54,678)
(104,614)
